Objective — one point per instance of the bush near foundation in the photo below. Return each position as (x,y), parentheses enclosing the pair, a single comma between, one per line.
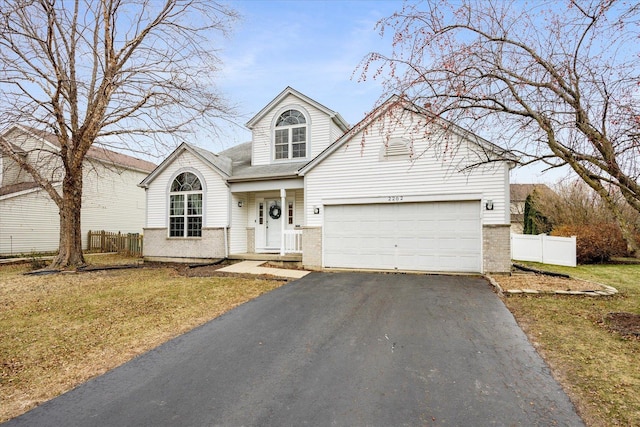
(595,243)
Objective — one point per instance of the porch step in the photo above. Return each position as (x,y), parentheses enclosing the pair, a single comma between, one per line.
(267,257)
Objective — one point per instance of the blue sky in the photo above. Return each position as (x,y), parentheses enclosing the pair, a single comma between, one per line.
(314,47)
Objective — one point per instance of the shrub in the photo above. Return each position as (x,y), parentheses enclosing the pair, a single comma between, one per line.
(595,243)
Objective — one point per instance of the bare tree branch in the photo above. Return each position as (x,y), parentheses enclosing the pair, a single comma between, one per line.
(135,70)
(562,80)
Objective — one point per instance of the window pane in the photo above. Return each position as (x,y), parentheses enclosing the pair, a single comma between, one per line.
(192,183)
(176,205)
(194,226)
(298,134)
(290,117)
(176,226)
(194,204)
(290,213)
(186,181)
(282,151)
(282,144)
(282,137)
(176,185)
(299,150)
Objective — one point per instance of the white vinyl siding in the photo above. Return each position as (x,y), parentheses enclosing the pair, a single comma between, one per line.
(335,133)
(111,201)
(239,223)
(29,223)
(38,155)
(350,171)
(215,193)
(320,135)
(12,173)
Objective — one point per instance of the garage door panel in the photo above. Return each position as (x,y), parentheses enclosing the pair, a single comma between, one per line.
(434,236)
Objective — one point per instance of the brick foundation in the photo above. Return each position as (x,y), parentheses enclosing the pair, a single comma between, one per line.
(159,247)
(312,247)
(496,248)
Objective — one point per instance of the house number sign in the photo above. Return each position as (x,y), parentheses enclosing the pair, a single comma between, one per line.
(395,198)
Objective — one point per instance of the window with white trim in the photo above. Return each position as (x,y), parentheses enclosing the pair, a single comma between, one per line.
(290,138)
(185,206)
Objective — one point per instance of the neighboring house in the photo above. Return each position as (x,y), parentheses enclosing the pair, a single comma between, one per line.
(519,194)
(29,219)
(391,193)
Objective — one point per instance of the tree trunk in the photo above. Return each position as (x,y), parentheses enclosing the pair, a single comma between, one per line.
(70,248)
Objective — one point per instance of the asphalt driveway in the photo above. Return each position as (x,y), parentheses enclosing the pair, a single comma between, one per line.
(345,349)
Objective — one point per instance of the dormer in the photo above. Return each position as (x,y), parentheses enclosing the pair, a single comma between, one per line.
(293,128)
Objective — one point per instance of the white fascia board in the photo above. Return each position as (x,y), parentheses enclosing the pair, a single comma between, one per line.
(162,166)
(166,162)
(291,91)
(286,184)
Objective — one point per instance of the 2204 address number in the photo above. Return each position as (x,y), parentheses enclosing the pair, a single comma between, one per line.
(395,198)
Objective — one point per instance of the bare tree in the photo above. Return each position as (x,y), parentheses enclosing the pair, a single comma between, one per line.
(123,72)
(553,83)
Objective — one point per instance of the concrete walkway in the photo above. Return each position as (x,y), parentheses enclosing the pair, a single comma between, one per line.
(254,267)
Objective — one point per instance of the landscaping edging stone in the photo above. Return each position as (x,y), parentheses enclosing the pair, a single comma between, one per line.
(606,292)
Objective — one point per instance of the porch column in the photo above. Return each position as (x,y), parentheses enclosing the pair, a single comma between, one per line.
(283,217)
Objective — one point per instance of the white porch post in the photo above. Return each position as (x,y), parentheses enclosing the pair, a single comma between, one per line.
(283,202)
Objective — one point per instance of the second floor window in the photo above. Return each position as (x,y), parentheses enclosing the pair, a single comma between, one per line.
(290,139)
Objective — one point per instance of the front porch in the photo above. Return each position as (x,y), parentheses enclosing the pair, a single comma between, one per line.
(267,221)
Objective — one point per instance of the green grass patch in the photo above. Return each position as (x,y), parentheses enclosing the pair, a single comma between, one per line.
(57,331)
(598,368)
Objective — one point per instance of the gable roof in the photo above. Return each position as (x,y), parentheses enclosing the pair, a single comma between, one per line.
(394,101)
(95,153)
(335,116)
(220,164)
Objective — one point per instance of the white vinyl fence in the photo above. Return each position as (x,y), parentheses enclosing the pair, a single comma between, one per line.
(544,249)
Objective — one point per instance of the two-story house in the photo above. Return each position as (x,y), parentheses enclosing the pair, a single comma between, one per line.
(29,218)
(394,192)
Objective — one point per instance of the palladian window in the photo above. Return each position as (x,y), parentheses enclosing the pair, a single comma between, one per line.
(185,206)
(290,139)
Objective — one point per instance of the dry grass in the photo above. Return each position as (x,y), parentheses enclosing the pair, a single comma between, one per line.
(598,368)
(57,331)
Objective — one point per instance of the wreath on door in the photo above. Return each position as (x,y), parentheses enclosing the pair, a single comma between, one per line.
(275,211)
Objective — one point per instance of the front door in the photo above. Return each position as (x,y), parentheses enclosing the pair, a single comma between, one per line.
(273,223)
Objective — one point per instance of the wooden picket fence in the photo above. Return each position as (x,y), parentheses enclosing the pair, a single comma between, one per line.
(125,243)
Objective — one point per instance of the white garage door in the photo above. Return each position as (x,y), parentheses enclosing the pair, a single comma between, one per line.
(429,236)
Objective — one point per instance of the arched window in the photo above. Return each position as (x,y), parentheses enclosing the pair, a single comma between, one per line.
(290,139)
(185,206)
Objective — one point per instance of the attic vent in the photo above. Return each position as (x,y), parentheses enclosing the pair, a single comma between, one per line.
(396,149)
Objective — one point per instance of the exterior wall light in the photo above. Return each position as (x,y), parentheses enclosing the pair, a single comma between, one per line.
(240,204)
(489,205)
(316,210)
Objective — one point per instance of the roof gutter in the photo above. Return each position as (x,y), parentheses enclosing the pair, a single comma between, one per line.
(262,178)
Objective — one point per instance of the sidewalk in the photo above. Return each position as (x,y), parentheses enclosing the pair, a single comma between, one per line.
(254,267)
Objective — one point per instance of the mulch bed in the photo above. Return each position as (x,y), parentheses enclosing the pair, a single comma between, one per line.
(543,282)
